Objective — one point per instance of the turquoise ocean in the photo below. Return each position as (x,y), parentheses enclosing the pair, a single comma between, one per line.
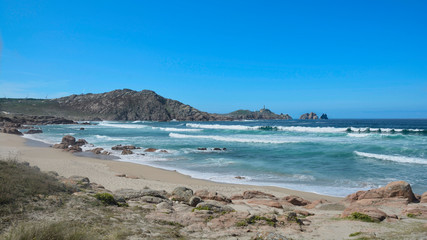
(331,157)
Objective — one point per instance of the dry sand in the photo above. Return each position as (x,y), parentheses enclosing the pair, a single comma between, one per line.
(104,171)
(325,224)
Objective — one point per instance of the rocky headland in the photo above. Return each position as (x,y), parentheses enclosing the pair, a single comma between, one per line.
(126,105)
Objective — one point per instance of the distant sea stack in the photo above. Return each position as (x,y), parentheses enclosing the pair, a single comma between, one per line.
(324,116)
(311,115)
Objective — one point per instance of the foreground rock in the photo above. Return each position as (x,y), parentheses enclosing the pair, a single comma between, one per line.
(206,195)
(157,214)
(70,144)
(11,131)
(374,213)
(182,194)
(424,198)
(398,189)
(395,200)
(34,131)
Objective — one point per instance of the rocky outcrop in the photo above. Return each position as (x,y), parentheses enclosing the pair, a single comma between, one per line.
(311,116)
(261,114)
(398,189)
(70,144)
(297,201)
(324,116)
(374,213)
(127,147)
(424,198)
(34,131)
(19,120)
(182,194)
(206,195)
(11,130)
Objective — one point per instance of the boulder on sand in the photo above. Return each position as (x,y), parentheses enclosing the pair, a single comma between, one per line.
(374,213)
(11,131)
(68,140)
(397,189)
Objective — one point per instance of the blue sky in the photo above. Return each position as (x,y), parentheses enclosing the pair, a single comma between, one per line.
(350,59)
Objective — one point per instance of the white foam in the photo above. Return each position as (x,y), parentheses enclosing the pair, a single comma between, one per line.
(169,129)
(394,158)
(231,139)
(358,135)
(33,137)
(219,126)
(313,129)
(107,138)
(105,124)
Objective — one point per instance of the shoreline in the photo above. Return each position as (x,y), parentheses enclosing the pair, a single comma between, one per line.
(104,171)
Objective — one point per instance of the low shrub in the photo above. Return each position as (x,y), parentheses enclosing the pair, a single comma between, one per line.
(106,198)
(361,217)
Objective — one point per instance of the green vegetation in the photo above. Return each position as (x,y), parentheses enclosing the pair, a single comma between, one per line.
(201,208)
(40,107)
(411,215)
(361,217)
(106,198)
(254,219)
(355,234)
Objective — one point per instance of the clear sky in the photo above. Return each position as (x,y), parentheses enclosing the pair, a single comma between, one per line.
(350,59)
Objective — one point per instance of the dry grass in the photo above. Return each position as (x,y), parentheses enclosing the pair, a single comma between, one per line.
(21,183)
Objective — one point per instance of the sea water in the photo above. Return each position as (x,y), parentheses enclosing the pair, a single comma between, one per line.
(331,157)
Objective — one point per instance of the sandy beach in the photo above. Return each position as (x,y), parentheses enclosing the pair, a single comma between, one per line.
(104,171)
(318,221)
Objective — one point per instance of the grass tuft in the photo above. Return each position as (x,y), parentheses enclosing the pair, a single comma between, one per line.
(106,198)
(361,217)
(56,230)
(355,234)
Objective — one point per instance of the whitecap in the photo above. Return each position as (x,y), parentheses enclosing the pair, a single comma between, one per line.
(312,129)
(358,135)
(169,129)
(219,126)
(107,138)
(122,125)
(244,139)
(394,158)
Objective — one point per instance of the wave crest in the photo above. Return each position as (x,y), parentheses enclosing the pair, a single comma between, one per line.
(394,158)
(230,139)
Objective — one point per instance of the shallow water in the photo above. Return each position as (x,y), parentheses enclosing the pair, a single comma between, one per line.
(332,157)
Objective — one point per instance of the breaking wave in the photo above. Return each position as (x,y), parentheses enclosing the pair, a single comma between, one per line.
(105,124)
(107,138)
(309,129)
(230,139)
(394,158)
(168,129)
(219,126)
